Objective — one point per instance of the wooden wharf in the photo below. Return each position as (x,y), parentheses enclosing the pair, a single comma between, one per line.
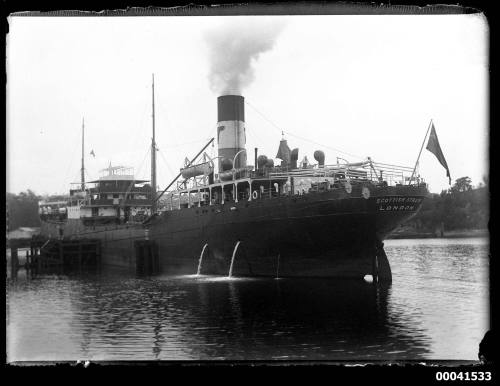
(45,254)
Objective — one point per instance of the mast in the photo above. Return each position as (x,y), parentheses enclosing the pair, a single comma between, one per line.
(83,158)
(153,156)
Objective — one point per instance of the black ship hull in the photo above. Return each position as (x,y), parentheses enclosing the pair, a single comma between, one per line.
(329,234)
(323,234)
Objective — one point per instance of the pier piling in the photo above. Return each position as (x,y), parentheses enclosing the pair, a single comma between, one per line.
(147,257)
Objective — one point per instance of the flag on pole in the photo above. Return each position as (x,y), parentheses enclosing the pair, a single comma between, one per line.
(434,148)
(92,153)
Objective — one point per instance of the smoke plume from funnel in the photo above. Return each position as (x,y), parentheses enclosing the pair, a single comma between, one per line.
(234,48)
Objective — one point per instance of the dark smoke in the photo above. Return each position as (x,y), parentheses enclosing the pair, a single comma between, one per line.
(234,48)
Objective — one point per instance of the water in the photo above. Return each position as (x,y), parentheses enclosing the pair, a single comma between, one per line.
(230,274)
(436,308)
(201,259)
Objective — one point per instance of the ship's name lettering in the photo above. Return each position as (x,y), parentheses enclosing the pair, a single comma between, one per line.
(396,207)
(399,200)
(398,203)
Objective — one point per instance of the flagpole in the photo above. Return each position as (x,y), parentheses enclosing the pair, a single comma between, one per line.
(83,156)
(421,148)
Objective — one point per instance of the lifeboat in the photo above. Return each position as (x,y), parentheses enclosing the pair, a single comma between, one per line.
(203,169)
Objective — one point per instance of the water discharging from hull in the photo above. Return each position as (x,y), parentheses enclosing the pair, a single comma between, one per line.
(201,258)
(232,259)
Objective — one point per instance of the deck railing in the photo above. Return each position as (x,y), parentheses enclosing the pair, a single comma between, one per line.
(368,171)
(121,189)
(316,179)
(119,201)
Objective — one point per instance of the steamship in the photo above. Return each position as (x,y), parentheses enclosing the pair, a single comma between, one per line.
(223,216)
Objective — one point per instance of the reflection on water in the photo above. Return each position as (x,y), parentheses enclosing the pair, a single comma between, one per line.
(445,284)
(437,308)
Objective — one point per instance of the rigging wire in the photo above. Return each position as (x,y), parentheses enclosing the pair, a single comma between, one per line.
(182,144)
(299,137)
(211,131)
(159,102)
(70,165)
(176,147)
(253,134)
(174,150)
(143,160)
(138,171)
(210,134)
(162,107)
(140,130)
(166,163)
(171,133)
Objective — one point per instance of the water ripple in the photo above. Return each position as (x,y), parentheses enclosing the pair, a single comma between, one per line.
(437,308)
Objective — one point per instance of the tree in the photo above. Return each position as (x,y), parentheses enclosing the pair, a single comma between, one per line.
(461,207)
(462,184)
(23,210)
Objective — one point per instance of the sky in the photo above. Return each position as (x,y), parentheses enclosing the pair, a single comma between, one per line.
(352,86)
